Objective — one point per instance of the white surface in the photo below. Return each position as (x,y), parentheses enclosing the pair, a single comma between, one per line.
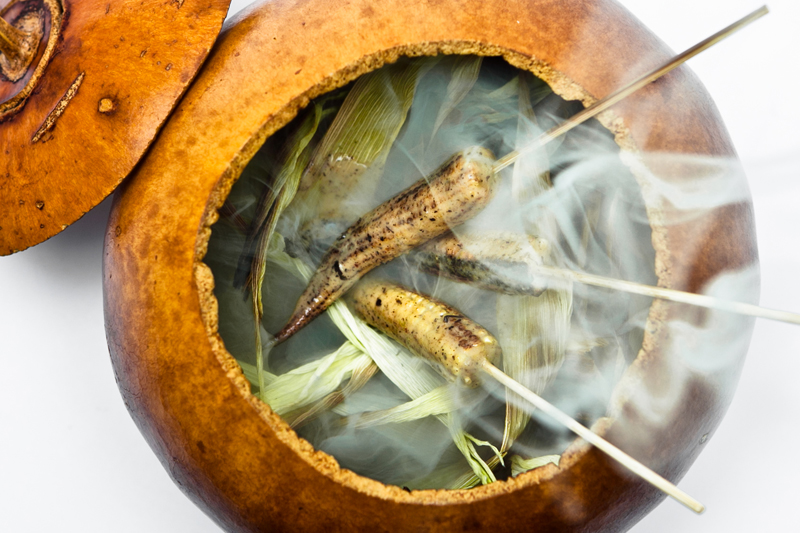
(72,460)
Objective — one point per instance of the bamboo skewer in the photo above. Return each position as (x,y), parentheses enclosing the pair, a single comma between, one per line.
(668,294)
(601,105)
(623,458)
(699,300)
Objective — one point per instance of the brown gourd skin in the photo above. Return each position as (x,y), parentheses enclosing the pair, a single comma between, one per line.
(456,192)
(118,68)
(456,345)
(238,461)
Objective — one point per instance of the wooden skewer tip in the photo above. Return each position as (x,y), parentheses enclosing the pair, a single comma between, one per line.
(604,103)
(673,295)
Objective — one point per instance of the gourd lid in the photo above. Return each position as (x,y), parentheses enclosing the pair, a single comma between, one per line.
(85,86)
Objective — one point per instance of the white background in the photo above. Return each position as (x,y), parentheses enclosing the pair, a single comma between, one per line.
(71,459)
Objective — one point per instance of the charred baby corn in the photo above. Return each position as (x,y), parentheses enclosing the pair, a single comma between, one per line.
(441,334)
(455,193)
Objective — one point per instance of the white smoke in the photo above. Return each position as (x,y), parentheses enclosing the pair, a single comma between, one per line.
(601,226)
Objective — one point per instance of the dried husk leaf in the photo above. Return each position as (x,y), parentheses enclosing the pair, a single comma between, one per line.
(360,376)
(464,74)
(251,373)
(520,465)
(277,196)
(311,389)
(308,383)
(509,90)
(311,382)
(533,331)
(493,106)
(534,338)
(437,402)
(353,152)
(411,374)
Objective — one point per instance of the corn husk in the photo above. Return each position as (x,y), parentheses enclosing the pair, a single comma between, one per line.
(439,401)
(353,152)
(360,376)
(533,331)
(313,381)
(531,176)
(232,217)
(464,74)
(251,373)
(520,465)
(302,393)
(294,157)
(453,478)
(495,106)
(411,374)
(509,90)
(276,198)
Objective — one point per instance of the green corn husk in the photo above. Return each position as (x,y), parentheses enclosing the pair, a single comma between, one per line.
(453,478)
(464,74)
(411,374)
(251,373)
(313,381)
(294,157)
(466,443)
(274,201)
(353,152)
(310,389)
(534,339)
(533,331)
(494,106)
(439,401)
(360,376)
(520,465)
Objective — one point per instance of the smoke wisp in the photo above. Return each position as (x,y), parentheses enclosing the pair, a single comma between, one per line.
(578,203)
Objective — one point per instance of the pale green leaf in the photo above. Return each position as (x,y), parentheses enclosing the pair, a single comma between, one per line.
(436,402)
(409,373)
(275,199)
(351,155)
(520,465)
(533,331)
(311,382)
(464,74)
